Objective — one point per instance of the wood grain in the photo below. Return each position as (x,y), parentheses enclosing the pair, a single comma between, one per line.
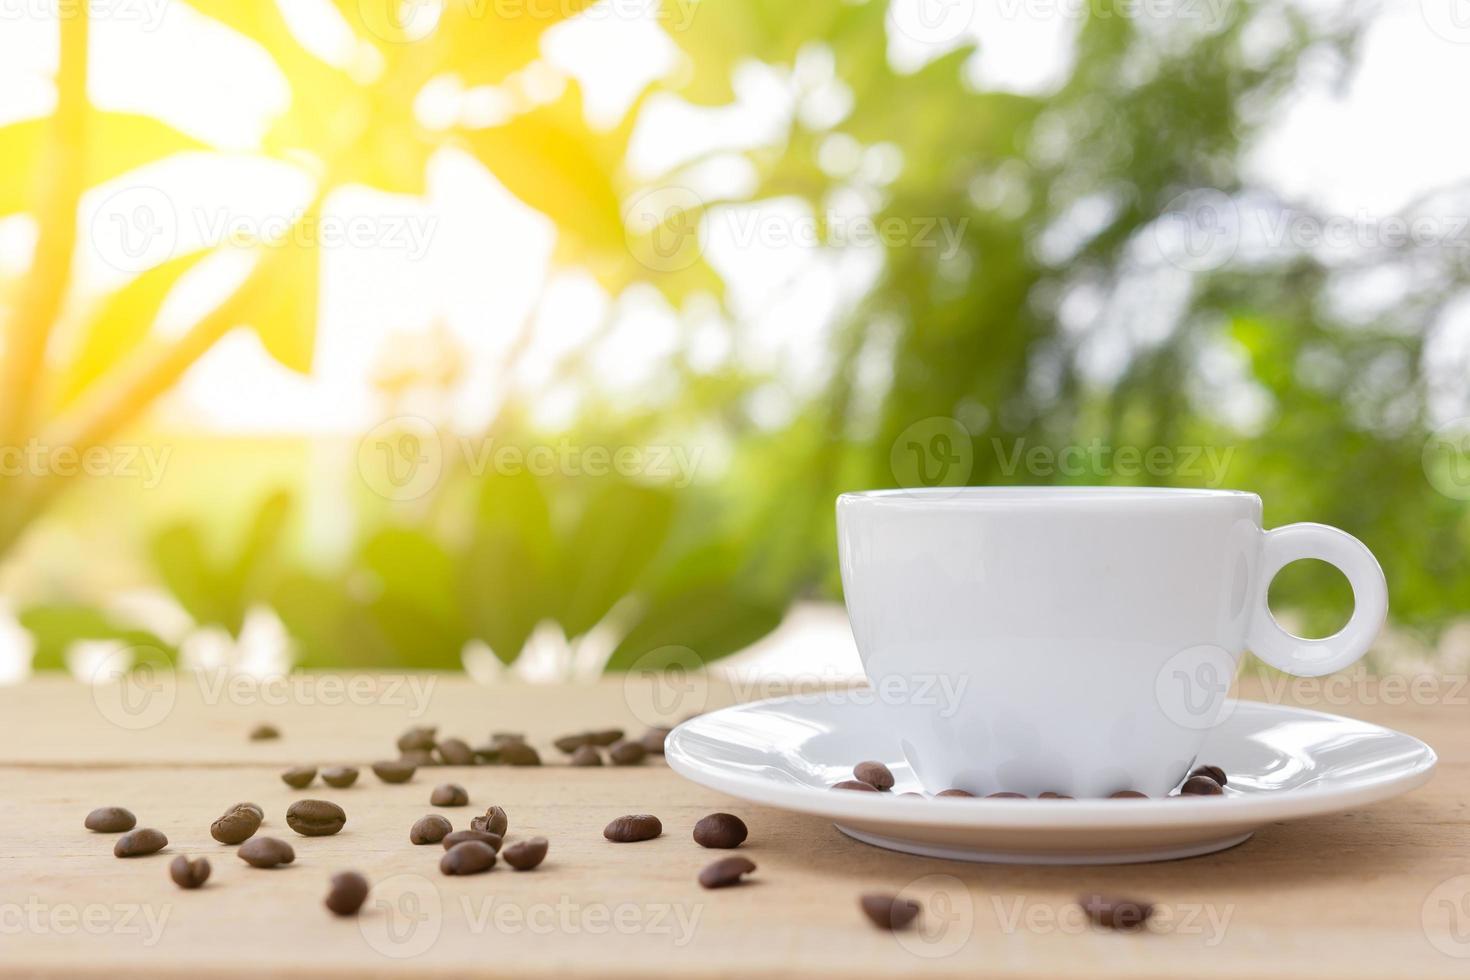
(1344,895)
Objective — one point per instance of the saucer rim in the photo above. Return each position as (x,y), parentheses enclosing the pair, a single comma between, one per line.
(964,812)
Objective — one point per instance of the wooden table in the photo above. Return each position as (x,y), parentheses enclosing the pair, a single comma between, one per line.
(1347,895)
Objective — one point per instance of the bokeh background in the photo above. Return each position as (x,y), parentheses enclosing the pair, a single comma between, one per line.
(537,336)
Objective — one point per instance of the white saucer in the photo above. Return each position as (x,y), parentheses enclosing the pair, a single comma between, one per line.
(1283,763)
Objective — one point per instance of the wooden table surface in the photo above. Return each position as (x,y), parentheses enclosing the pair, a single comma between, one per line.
(1370,892)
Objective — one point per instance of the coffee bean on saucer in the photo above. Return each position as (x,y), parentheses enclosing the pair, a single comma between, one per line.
(524,855)
(653,740)
(1116,913)
(1006,796)
(188,874)
(420,738)
(264,733)
(299,777)
(349,890)
(315,818)
(495,821)
(490,840)
(875,774)
(854,784)
(469,858)
(449,794)
(1200,786)
(605,737)
(429,830)
(568,744)
(238,824)
(111,820)
(1053,796)
(339,777)
(633,827)
(266,852)
(138,843)
(626,753)
(726,872)
(1214,772)
(1128,794)
(587,755)
(720,830)
(455,752)
(393,771)
(954,792)
(519,754)
(889,911)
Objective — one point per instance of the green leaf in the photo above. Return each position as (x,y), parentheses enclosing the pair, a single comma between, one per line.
(261,550)
(416,569)
(504,586)
(56,626)
(620,531)
(180,558)
(710,620)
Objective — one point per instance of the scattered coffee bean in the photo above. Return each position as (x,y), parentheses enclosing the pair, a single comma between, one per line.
(266,852)
(1128,794)
(889,911)
(626,753)
(569,744)
(653,740)
(1116,913)
(875,774)
(726,872)
(518,754)
(429,830)
(449,794)
(954,792)
(495,821)
(455,752)
(605,737)
(263,733)
(339,777)
(349,890)
(189,874)
(854,784)
(137,843)
(315,818)
(419,738)
(419,757)
(1200,786)
(393,771)
(506,738)
(490,840)
(111,820)
(1006,796)
(253,808)
(524,855)
(720,830)
(238,824)
(633,827)
(587,755)
(1214,772)
(299,777)
(487,754)
(469,858)
(1053,796)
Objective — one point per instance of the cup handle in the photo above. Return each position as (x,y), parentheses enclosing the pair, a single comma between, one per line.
(1313,658)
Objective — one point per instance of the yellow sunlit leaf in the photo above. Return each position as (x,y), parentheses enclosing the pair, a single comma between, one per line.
(487,42)
(285,316)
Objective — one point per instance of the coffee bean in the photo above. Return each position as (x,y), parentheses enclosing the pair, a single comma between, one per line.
(490,840)
(253,808)
(1053,796)
(469,858)
(263,733)
(449,794)
(189,874)
(299,777)
(720,830)
(653,740)
(586,756)
(349,890)
(889,911)
(506,738)
(419,738)
(495,821)
(1128,794)
(1214,772)
(726,872)
(238,824)
(633,827)
(487,754)
(393,771)
(518,754)
(626,753)
(954,792)
(1116,913)
(111,820)
(524,855)
(875,774)
(854,784)
(419,757)
(605,737)
(339,777)
(266,852)
(569,744)
(429,830)
(315,818)
(1006,796)
(1200,786)
(137,843)
(455,752)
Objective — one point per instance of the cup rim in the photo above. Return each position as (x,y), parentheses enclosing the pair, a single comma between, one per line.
(996,496)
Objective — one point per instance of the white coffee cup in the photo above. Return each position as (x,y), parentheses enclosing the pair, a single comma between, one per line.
(1077,640)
